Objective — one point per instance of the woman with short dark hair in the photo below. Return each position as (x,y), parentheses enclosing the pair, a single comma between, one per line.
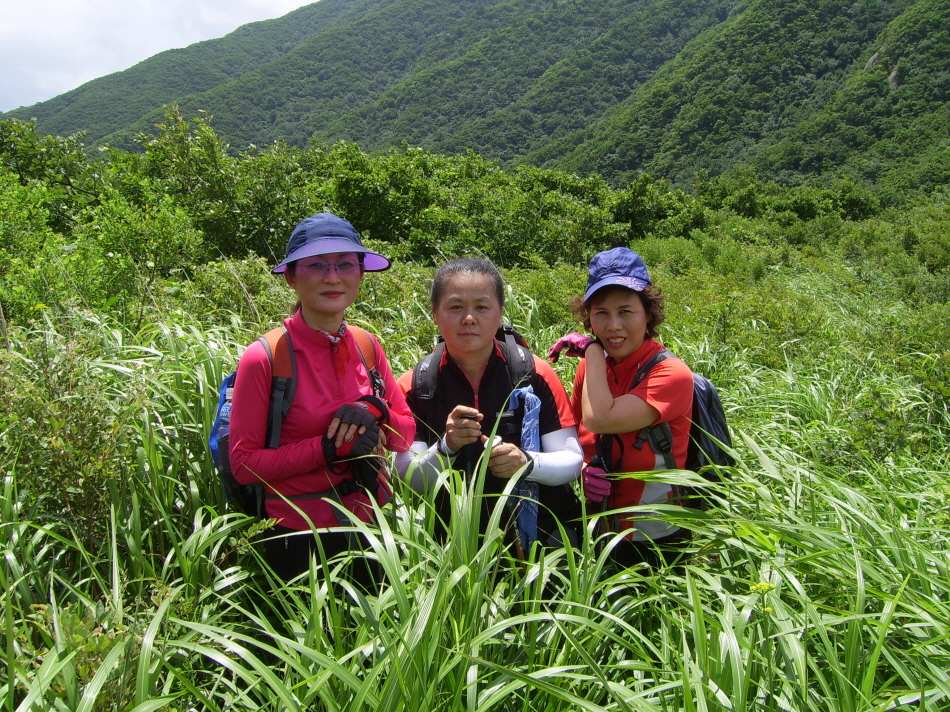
(616,405)
(475,384)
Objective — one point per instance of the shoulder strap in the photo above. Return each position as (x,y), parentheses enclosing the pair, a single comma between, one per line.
(280,352)
(367,347)
(519,361)
(425,376)
(648,366)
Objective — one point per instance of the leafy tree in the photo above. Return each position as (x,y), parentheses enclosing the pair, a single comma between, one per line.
(189,162)
(59,164)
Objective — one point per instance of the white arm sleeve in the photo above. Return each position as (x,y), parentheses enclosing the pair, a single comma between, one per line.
(560,460)
(422,465)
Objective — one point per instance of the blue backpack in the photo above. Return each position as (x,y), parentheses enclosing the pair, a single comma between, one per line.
(709,438)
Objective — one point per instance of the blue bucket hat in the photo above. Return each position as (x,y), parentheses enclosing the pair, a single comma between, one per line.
(622,266)
(323,234)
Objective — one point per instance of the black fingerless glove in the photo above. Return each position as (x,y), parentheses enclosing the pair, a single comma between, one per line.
(363,411)
(360,446)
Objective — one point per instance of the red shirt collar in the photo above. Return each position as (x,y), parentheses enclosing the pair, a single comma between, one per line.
(445,355)
(626,370)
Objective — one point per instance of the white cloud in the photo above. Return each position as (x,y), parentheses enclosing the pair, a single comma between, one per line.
(48,47)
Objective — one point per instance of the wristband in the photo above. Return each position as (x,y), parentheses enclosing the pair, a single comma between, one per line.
(377,407)
(529,465)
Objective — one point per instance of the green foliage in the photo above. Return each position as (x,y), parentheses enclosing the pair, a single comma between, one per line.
(124,254)
(143,240)
(57,164)
(28,242)
(67,421)
(652,207)
(829,540)
(857,91)
(190,164)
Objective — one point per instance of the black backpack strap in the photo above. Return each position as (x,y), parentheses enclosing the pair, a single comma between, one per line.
(660,438)
(283,364)
(648,366)
(280,355)
(425,377)
(519,361)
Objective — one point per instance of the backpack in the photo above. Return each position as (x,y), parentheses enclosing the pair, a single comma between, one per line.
(249,499)
(425,375)
(708,434)
(520,366)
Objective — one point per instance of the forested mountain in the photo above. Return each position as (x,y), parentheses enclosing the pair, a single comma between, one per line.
(855,89)
(671,87)
(108,104)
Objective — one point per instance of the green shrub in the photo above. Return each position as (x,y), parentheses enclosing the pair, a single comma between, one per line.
(30,249)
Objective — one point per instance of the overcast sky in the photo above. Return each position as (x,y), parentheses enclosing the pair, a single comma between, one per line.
(48,47)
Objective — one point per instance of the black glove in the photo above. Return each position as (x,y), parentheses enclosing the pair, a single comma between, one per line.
(359,446)
(363,411)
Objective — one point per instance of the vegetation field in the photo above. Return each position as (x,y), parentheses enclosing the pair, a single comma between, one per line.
(820,580)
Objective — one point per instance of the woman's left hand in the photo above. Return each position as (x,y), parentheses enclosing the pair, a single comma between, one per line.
(506,459)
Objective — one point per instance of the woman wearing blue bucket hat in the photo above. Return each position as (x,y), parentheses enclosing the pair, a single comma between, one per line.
(622,390)
(317,464)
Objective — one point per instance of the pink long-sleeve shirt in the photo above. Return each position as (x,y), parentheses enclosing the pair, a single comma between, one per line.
(328,376)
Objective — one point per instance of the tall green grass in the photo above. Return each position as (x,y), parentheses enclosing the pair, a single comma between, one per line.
(818,582)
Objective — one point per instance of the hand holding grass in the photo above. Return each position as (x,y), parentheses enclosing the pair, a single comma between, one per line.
(462,427)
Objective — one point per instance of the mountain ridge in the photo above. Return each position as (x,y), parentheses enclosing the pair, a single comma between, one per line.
(669,87)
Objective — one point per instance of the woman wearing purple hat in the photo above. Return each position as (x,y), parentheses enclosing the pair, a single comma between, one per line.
(343,406)
(616,404)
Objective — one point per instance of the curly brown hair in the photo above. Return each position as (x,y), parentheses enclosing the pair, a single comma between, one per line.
(651,298)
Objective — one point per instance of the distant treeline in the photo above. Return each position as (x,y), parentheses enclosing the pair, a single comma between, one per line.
(105,231)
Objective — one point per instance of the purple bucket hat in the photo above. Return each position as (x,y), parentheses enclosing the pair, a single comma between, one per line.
(325,233)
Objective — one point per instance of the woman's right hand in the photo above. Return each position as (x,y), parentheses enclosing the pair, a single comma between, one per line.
(463,427)
(572,345)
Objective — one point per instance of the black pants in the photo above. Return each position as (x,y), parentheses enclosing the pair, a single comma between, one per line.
(654,553)
(288,552)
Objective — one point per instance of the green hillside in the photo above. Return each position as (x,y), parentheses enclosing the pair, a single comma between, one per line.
(499,78)
(669,87)
(346,65)
(751,80)
(551,73)
(108,104)
(889,123)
